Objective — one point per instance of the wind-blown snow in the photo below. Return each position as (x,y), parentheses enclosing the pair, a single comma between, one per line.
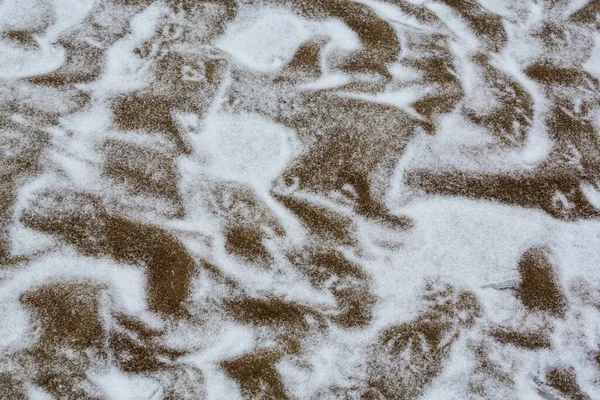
(305,199)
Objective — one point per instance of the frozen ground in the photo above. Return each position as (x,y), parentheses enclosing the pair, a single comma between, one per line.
(301,199)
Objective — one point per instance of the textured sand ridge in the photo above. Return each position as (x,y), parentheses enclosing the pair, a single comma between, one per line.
(299,199)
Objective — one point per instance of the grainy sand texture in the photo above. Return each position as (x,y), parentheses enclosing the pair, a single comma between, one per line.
(299,199)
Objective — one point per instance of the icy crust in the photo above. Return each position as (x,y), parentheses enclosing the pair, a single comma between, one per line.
(325,199)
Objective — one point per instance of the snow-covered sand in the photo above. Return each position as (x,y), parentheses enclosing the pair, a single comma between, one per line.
(303,199)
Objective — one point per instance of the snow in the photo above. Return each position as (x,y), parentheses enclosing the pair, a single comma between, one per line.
(234,118)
